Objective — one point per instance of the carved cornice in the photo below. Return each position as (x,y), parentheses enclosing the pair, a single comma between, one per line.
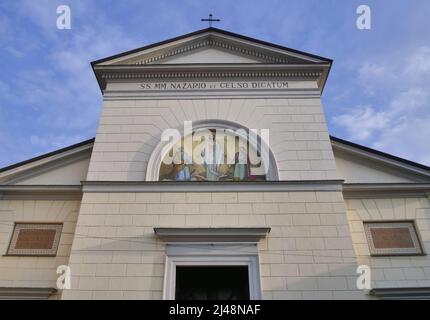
(209,42)
(196,75)
(184,72)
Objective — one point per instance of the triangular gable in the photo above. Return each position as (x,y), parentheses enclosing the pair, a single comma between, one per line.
(360,164)
(209,53)
(246,49)
(67,166)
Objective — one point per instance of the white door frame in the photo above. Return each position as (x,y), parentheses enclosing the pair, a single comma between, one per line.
(208,255)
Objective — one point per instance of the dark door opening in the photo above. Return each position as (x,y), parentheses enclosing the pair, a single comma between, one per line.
(212,283)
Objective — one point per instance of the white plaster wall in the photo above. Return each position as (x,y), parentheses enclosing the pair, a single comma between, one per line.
(69,174)
(35,271)
(409,271)
(357,170)
(308,253)
(129,130)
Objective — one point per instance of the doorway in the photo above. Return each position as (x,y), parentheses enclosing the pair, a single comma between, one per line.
(212,283)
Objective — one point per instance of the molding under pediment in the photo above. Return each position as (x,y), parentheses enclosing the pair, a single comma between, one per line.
(214,72)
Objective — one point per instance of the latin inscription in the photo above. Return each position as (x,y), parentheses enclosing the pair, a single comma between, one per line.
(219,85)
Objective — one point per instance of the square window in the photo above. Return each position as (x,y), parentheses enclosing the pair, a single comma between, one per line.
(35,239)
(392,238)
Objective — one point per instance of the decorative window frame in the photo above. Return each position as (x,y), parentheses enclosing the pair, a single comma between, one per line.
(154,163)
(418,249)
(12,251)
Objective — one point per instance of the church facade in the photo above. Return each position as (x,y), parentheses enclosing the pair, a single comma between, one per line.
(270,206)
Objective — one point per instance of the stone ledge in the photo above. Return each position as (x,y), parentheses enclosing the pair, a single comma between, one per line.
(401,293)
(26,293)
(211,234)
(189,186)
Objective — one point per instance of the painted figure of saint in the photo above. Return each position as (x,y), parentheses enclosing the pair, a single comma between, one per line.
(241,165)
(212,156)
(183,168)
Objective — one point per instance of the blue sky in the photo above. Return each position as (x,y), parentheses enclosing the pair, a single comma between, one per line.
(377,94)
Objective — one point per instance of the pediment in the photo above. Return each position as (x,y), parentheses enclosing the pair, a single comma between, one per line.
(210,55)
(211,46)
(358,164)
(63,173)
(67,166)
(354,169)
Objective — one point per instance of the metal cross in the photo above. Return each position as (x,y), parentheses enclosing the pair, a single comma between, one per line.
(210,20)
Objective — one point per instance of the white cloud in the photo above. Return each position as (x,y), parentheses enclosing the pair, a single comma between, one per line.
(400,124)
(15,52)
(55,99)
(374,76)
(409,139)
(370,70)
(419,63)
(62,86)
(409,101)
(52,142)
(362,122)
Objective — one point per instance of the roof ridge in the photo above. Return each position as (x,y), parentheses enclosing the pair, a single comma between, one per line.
(200,31)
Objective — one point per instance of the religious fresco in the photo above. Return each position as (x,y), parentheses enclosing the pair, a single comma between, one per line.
(229,164)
